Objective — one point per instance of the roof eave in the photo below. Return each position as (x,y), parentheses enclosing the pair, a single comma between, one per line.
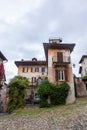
(66,46)
(3,57)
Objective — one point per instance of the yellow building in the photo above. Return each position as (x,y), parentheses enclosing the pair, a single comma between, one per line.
(34,70)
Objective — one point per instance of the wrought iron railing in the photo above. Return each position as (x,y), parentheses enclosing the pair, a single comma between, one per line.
(65,59)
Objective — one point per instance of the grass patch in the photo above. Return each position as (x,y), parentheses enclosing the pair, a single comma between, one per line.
(57,111)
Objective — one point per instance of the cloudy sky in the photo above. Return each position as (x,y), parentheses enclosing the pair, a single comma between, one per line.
(26,24)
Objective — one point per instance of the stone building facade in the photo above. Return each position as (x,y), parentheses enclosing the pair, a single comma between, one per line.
(81,90)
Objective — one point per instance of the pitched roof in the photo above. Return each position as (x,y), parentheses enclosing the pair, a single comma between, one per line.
(82,58)
(2,56)
(30,63)
(57,46)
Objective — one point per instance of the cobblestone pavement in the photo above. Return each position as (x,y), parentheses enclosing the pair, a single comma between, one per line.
(57,119)
(51,123)
(25,123)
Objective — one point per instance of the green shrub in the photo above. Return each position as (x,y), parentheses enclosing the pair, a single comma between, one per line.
(84,78)
(57,94)
(60,94)
(17,88)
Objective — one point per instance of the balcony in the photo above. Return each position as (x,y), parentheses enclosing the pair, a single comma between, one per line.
(64,60)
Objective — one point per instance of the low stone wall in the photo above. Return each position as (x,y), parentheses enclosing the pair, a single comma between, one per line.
(80,86)
(3,99)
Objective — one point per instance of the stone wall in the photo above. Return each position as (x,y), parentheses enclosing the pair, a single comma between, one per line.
(80,86)
(3,98)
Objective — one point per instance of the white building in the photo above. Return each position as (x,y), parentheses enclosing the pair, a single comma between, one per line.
(83,67)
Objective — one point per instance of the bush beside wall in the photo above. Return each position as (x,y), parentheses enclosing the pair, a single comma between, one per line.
(57,93)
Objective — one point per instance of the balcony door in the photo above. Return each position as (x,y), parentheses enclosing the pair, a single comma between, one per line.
(59,56)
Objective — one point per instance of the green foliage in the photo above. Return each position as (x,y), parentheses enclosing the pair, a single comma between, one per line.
(57,93)
(17,88)
(44,89)
(60,94)
(84,78)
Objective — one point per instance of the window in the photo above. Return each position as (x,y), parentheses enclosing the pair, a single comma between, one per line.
(61,75)
(86,71)
(43,69)
(25,69)
(59,56)
(40,69)
(33,69)
(37,69)
(34,79)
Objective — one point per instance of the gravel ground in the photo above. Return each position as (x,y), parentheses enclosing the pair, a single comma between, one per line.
(27,123)
(57,119)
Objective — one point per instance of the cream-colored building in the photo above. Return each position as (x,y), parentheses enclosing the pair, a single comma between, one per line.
(58,56)
(34,71)
(83,69)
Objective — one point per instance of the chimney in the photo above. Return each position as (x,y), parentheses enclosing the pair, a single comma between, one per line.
(55,40)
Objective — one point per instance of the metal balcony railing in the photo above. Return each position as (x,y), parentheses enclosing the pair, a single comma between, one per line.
(64,59)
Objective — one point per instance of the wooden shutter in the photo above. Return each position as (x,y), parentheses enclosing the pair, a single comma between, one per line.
(59,56)
(32,80)
(31,69)
(66,75)
(56,75)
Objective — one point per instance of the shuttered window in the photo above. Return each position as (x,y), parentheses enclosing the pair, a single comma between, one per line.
(33,69)
(37,69)
(40,69)
(60,75)
(34,79)
(43,69)
(25,69)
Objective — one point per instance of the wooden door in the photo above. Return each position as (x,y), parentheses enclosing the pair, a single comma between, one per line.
(59,56)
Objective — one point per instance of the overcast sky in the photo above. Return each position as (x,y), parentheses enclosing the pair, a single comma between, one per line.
(26,24)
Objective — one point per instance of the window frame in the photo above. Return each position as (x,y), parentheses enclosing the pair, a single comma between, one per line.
(61,75)
(25,69)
